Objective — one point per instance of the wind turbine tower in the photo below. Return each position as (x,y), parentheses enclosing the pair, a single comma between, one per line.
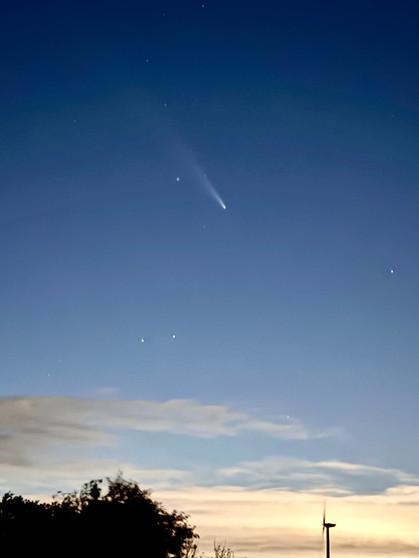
(327,526)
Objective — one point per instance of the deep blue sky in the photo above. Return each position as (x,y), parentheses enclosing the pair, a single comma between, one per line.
(120,274)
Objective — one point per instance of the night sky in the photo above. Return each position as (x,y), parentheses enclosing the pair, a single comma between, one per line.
(209,232)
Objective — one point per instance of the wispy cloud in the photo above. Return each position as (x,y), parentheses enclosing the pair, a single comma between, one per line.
(328,477)
(28,424)
(185,416)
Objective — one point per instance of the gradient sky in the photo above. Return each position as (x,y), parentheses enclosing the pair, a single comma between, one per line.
(245,363)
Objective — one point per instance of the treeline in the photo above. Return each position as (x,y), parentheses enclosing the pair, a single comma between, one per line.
(106,517)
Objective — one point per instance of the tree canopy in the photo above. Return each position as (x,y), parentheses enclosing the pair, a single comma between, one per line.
(119,520)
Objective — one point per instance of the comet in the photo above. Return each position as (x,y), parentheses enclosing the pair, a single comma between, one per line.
(208,187)
(204,182)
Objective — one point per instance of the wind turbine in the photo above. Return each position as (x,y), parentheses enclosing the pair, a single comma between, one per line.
(327,526)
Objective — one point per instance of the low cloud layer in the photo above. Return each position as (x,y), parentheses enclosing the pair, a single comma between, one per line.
(52,433)
(329,477)
(29,424)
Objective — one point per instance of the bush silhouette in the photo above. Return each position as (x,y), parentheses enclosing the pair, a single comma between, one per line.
(124,519)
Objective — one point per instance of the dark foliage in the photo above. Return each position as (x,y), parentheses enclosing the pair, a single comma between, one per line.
(123,520)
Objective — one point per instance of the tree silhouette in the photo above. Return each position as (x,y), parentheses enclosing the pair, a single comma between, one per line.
(120,520)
